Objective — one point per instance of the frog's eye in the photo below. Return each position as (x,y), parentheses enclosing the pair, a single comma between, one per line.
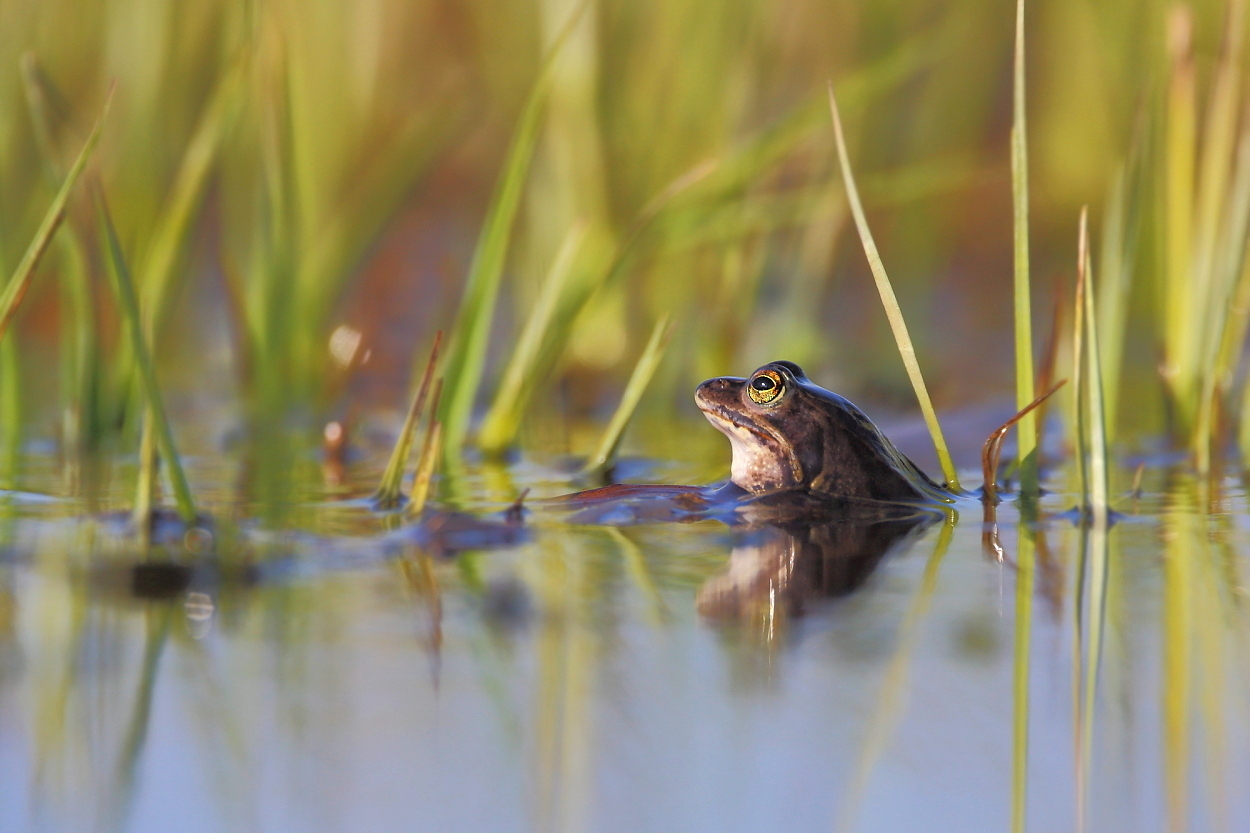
(765,387)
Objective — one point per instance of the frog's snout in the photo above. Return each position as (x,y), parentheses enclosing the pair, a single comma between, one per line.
(712,389)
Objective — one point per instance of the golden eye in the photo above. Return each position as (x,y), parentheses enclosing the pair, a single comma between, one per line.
(765,387)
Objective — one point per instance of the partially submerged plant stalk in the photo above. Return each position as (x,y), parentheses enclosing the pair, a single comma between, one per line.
(605,456)
(149,468)
(16,288)
(431,453)
(1026,434)
(133,322)
(991,452)
(389,493)
(1095,512)
(892,311)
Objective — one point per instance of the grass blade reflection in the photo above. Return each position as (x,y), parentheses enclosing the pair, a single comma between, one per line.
(1026,564)
(891,700)
(122,794)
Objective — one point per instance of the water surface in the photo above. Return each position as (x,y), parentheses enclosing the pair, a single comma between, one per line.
(319,680)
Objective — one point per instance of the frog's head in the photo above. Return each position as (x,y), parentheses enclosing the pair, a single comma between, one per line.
(788,433)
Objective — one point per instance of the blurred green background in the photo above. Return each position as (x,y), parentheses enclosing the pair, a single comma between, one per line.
(299,188)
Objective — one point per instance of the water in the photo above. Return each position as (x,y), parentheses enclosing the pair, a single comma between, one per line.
(581,681)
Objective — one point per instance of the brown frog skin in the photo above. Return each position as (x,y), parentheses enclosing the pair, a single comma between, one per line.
(790,434)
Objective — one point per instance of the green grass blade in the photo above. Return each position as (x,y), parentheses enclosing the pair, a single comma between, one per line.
(890,302)
(1180,297)
(158,272)
(16,288)
(1079,386)
(605,456)
(467,357)
(502,422)
(1117,249)
(389,492)
(1026,432)
(84,421)
(10,413)
(133,322)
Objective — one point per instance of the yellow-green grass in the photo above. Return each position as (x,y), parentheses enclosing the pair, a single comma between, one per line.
(389,492)
(15,290)
(471,334)
(1026,430)
(604,457)
(888,300)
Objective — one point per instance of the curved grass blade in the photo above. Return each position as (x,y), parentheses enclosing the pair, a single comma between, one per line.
(133,321)
(16,288)
(605,457)
(1026,434)
(389,493)
(892,311)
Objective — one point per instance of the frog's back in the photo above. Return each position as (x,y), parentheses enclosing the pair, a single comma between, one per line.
(858,460)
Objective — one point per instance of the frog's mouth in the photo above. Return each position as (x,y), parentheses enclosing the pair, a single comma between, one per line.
(761,459)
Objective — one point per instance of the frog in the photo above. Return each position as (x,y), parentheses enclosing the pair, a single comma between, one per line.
(788,435)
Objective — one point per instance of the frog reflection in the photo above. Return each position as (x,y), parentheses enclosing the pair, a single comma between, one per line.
(783,568)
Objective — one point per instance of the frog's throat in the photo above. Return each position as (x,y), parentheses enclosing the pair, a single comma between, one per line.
(761,457)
